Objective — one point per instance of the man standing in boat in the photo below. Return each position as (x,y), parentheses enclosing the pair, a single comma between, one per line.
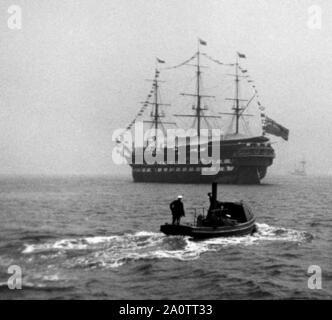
(214,204)
(177,210)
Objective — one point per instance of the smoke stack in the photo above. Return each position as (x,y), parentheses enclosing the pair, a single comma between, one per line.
(214,192)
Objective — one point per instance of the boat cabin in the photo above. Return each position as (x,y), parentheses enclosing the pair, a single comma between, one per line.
(226,214)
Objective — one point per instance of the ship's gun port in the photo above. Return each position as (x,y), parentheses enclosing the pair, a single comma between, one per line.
(256,149)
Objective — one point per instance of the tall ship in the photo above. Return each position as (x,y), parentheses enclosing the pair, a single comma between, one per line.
(300,169)
(214,142)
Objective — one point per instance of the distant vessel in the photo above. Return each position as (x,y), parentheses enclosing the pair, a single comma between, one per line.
(243,158)
(300,170)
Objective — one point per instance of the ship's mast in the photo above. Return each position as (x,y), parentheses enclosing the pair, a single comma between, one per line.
(197,95)
(303,163)
(156,104)
(156,114)
(237,103)
(238,110)
(198,107)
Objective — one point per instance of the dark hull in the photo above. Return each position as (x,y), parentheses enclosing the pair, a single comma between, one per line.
(241,162)
(242,229)
(242,175)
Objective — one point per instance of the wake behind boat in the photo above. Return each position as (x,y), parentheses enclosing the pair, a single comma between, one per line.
(224,219)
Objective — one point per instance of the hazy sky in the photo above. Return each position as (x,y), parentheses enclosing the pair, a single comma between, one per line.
(75,72)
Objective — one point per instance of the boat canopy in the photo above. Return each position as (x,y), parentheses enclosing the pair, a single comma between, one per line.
(238,211)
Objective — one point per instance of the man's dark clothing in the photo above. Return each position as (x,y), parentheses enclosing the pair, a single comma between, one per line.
(212,204)
(177,211)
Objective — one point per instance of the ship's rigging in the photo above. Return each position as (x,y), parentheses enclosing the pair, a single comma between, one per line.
(197,154)
(156,114)
(238,109)
(199,110)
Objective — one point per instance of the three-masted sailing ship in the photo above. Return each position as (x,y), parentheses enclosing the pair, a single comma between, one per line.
(300,170)
(242,158)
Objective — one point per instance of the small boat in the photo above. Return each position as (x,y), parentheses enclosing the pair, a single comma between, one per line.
(224,219)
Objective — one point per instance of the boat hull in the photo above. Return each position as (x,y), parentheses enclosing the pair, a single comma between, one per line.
(241,162)
(242,229)
(242,175)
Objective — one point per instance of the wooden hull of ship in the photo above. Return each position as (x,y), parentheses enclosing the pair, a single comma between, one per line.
(242,175)
(242,162)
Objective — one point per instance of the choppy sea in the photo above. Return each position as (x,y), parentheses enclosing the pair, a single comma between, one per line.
(98,238)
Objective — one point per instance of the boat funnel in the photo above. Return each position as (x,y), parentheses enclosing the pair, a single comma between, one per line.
(214,192)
